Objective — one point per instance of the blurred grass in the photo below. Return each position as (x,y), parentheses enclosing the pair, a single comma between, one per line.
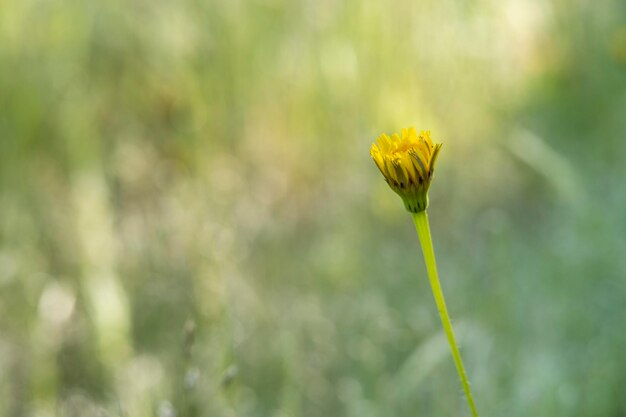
(190,223)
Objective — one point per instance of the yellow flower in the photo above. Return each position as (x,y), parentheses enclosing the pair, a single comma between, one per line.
(407,162)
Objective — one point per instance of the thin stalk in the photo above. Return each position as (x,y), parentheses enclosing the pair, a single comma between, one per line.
(423,231)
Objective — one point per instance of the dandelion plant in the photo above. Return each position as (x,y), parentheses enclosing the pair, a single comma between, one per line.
(407,162)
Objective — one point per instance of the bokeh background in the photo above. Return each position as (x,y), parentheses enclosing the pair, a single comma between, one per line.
(191,225)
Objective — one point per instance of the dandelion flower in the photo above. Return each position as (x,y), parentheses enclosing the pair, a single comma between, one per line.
(407,162)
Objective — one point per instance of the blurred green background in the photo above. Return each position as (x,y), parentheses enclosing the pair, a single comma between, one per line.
(191,225)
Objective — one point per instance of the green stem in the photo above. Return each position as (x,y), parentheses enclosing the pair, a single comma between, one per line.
(423,231)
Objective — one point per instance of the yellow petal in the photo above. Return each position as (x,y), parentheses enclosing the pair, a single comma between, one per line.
(378,158)
(412,134)
(426,136)
(384,143)
(433,159)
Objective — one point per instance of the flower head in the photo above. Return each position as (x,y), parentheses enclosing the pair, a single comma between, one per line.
(407,162)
